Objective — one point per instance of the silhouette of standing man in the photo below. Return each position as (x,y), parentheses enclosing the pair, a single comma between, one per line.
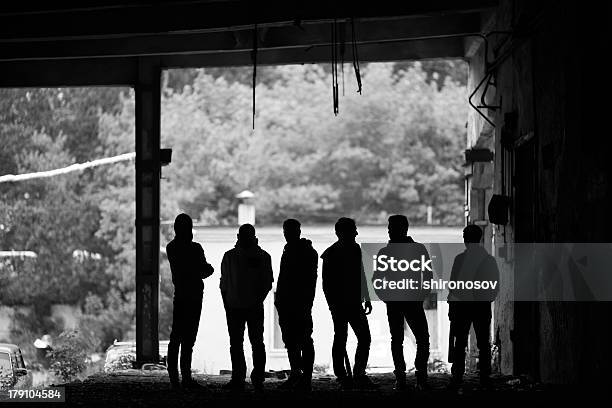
(189,267)
(345,288)
(406,306)
(470,306)
(295,293)
(246,279)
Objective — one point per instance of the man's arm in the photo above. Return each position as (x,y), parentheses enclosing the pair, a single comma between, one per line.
(427,275)
(311,287)
(206,269)
(280,290)
(268,273)
(491,273)
(378,274)
(328,287)
(365,294)
(225,265)
(170,254)
(268,276)
(453,276)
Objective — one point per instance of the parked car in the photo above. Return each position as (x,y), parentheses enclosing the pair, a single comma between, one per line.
(13,372)
(121,355)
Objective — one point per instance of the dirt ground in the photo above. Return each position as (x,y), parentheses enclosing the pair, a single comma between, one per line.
(134,388)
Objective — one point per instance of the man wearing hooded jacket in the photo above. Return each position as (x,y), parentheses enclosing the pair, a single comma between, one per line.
(295,293)
(246,279)
(406,306)
(188,266)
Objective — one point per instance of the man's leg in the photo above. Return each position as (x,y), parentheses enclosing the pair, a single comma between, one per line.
(288,326)
(460,327)
(255,324)
(396,328)
(339,344)
(482,327)
(307,346)
(417,321)
(359,324)
(235,327)
(189,338)
(174,344)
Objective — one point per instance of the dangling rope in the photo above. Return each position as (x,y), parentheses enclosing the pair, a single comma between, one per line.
(9,178)
(342,52)
(334,65)
(355,56)
(254,58)
(342,75)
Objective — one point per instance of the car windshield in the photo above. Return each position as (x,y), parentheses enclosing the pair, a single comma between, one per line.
(5,365)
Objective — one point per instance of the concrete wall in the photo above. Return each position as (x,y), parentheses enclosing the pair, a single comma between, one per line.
(554,82)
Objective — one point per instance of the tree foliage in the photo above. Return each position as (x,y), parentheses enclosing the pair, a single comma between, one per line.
(396,148)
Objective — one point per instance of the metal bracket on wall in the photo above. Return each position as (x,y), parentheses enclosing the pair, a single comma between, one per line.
(489,77)
(487,81)
(483,103)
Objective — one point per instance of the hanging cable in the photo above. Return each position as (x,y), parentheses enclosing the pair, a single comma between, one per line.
(355,56)
(342,77)
(334,65)
(342,52)
(254,58)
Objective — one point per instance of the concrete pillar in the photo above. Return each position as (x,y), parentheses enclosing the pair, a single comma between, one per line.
(148,94)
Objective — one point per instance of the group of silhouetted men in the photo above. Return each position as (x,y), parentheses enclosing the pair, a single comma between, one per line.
(246,279)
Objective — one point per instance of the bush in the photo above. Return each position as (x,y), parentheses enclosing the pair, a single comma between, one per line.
(68,357)
(123,362)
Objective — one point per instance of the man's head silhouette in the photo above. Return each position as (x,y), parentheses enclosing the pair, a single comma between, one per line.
(398,227)
(346,229)
(472,234)
(246,235)
(291,230)
(183,226)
